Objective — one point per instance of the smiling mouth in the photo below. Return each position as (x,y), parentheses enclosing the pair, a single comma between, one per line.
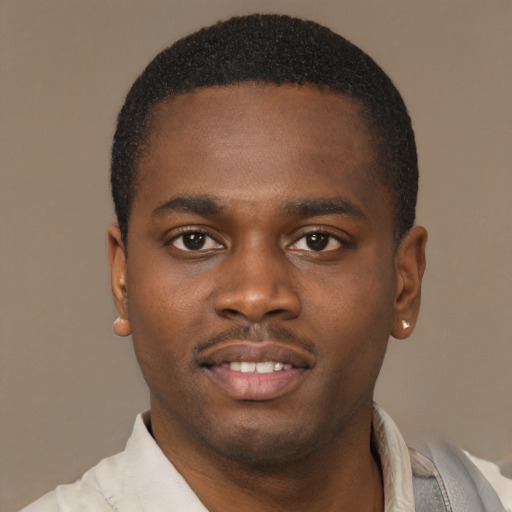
(256,371)
(257,367)
(256,357)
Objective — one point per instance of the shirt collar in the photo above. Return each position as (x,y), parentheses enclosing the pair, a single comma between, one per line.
(146,479)
(150,482)
(395,463)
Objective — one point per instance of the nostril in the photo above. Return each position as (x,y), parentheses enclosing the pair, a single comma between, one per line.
(275,312)
(231,312)
(257,300)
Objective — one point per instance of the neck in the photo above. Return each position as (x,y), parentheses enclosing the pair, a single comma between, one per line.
(341,475)
(306,488)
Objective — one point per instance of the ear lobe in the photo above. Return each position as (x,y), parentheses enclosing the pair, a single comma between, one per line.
(410,261)
(117,259)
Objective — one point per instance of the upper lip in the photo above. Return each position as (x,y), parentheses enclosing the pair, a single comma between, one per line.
(245,350)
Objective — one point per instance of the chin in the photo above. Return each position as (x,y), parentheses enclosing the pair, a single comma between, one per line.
(275,450)
(270,444)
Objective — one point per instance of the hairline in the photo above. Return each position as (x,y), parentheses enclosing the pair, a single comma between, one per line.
(379,172)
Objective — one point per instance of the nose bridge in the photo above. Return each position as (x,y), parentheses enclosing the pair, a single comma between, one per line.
(256,283)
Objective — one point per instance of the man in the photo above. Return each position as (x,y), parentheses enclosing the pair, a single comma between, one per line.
(264,175)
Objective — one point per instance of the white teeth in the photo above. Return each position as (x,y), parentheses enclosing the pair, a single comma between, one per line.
(247,367)
(257,367)
(266,367)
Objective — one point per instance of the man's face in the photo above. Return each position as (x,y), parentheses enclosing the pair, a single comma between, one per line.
(261,283)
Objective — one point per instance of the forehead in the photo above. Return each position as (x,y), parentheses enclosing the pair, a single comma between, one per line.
(254,142)
(235,111)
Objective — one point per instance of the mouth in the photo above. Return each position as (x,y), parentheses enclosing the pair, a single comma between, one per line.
(256,371)
(257,367)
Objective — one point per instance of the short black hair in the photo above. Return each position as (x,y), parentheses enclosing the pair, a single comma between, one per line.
(270,49)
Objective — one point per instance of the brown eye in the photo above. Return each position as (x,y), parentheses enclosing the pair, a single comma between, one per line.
(316,242)
(195,241)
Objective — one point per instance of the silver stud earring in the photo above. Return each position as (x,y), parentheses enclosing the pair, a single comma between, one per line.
(405,324)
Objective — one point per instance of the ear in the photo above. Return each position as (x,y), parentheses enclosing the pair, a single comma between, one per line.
(117,258)
(410,262)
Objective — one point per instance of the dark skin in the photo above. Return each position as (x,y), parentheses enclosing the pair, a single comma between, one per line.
(260,233)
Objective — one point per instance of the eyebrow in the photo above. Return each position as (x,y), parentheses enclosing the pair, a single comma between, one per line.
(324,206)
(307,207)
(202,205)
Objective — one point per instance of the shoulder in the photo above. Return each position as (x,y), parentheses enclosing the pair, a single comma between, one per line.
(93,492)
(76,497)
(501,484)
(138,478)
(442,467)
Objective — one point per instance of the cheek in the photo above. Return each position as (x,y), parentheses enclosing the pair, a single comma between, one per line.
(353,312)
(161,315)
(160,294)
(358,295)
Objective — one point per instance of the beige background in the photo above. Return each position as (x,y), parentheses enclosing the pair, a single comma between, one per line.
(70,389)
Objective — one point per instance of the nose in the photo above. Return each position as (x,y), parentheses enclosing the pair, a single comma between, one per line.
(256,285)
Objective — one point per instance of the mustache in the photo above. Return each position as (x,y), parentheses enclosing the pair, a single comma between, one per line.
(257,333)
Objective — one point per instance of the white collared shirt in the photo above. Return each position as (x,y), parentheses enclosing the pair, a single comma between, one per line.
(142,479)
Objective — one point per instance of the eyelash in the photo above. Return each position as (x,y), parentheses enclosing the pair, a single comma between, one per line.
(342,243)
(190,231)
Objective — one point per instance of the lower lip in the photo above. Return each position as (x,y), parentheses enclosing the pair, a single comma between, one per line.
(256,386)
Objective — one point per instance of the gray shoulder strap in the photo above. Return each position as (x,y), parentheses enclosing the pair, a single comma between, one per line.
(445,480)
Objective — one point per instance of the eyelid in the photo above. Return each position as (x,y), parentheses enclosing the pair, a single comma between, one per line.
(175,234)
(343,239)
